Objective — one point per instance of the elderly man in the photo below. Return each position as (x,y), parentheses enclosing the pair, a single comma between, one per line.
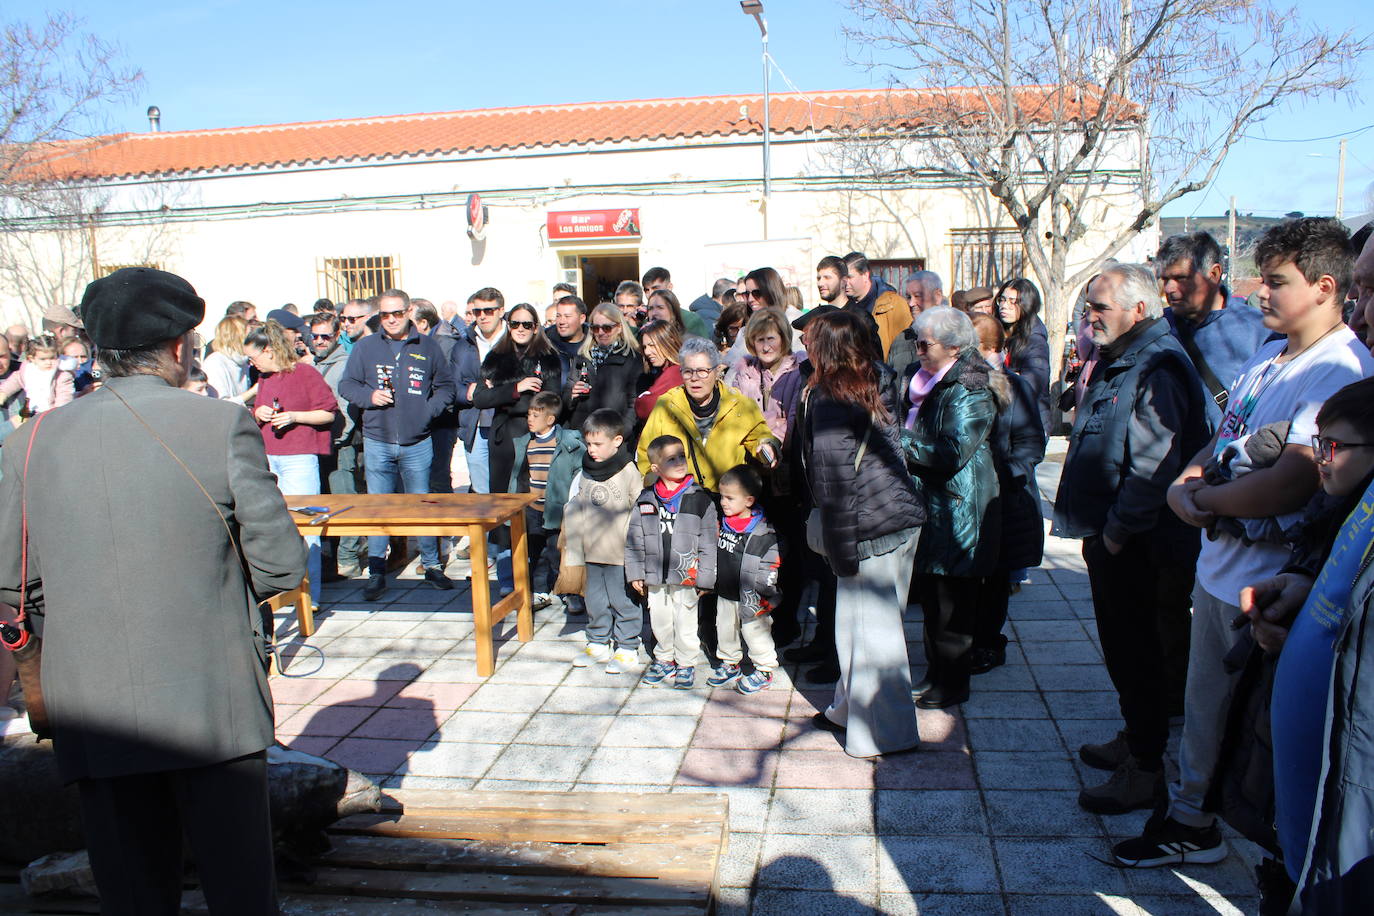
(1140,421)
(924,290)
(154,666)
(1219,331)
(18,336)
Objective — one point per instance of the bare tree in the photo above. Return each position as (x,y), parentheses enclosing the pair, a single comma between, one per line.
(1054,109)
(55,84)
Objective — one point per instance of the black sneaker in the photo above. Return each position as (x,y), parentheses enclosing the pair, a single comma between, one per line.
(435,577)
(1109,756)
(376,585)
(1170,843)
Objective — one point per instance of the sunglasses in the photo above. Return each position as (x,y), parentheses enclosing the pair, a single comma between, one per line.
(523,325)
(924,345)
(352,318)
(748,294)
(323,336)
(604,327)
(399,313)
(485,311)
(1326,448)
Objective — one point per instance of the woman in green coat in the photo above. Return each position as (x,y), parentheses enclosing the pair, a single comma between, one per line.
(950,417)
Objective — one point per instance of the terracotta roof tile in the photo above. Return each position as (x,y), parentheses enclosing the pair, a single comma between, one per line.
(501,128)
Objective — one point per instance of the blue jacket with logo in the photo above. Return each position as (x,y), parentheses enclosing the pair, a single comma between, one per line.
(420,378)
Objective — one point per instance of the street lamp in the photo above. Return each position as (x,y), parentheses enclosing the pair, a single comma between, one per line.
(755,8)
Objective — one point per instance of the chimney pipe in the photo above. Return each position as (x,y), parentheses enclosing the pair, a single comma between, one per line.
(154,118)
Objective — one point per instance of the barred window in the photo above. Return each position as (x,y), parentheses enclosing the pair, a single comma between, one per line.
(107,269)
(985,257)
(895,272)
(341,279)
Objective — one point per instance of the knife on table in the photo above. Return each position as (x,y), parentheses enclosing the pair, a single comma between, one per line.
(321,519)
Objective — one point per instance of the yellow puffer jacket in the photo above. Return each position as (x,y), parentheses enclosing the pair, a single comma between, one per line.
(737,434)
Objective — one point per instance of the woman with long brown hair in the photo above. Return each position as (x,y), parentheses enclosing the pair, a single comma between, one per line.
(659,343)
(865,518)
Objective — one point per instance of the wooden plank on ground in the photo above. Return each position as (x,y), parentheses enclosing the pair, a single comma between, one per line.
(555,828)
(624,804)
(360,882)
(330,905)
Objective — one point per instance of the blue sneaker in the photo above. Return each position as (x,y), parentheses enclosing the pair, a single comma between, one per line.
(686,678)
(753,683)
(658,673)
(724,674)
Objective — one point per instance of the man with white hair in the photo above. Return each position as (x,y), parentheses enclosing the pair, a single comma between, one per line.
(1141,419)
(924,290)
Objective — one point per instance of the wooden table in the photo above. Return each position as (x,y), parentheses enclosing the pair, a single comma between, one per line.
(434,515)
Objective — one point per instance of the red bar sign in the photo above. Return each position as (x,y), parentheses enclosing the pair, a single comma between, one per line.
(593,224)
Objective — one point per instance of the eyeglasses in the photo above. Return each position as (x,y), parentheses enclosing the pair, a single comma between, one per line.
(604,328)
(924,345)
(697,373)
(399,313)
(352,318)
(485,311)
(1004,300)
(1325,448)
(322,336)
(522,325)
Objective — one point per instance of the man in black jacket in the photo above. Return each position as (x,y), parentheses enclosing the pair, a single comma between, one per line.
(1141,419)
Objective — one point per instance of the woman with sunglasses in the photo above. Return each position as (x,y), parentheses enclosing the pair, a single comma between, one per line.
(520,365)
(605,369)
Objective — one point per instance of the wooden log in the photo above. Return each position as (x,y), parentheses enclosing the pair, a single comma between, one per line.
(357,882)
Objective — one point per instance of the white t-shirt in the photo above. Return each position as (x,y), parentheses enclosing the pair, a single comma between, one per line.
(1267,393)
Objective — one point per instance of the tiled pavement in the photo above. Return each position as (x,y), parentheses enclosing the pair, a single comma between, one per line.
(983,820)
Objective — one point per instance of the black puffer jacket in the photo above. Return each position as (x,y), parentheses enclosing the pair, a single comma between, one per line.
(614,385)
(1018,445)
(876,499)
(504,371)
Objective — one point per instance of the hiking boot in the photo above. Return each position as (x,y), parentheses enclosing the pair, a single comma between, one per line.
(658,673)
(1109,756)
(540,600)
(376,585)
(435,577)
(622,660)
(1168,842)
(593,653)
(981,661)
(686,678)
(1130,788)
(723,674)
(753,683)
(943,696)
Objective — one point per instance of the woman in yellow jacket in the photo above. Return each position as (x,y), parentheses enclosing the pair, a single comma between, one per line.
(719,426)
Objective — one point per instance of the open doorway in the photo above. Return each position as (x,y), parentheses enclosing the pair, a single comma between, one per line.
(602,273)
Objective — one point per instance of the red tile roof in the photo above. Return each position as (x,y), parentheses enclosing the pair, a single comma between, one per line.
(504,128)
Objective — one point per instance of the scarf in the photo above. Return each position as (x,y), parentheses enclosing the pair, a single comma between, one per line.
(703,411)
(599,354)
(743,523)
(921,384)
(667,493)
(602,471)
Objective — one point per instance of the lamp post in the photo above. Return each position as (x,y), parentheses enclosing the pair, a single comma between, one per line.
(755,8)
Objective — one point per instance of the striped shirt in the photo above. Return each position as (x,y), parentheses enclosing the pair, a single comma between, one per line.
(539,456)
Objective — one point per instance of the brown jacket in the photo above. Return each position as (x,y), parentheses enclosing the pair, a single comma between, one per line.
(893,315)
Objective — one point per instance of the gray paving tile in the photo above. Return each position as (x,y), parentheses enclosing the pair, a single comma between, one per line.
(923,812)
(1195,905)
(1048,630)
(777,902)
(415,781)
(523,785)
(846,864)
(451,671)
(650,731)
(748,805)
(575,699)
(741,859)
(1005,677)
(1054,676)
(947,865)
(518,670)
(567,729)
(508,697)
(1041,813)
(480,727)
(1013,734)
(1041,609)
(1078,652)
(1082,705)
(1019,770)
(833,812)
(1229,877)
(1083,904)
(1004,704)
(651,765)
(1055,866)
(665,701)
(1078,732)
(940,904)
(451,758)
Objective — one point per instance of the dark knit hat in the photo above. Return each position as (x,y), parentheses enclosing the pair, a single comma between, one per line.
(287,320)
(137,307)
(812,313)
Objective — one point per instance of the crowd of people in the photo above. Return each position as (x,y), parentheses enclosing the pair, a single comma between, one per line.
(700,471)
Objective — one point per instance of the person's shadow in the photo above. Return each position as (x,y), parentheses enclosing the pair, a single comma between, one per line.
(795,883)
(380,732)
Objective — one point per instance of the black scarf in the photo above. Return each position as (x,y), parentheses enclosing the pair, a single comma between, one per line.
(602,471)
(1112,352)
(702,411)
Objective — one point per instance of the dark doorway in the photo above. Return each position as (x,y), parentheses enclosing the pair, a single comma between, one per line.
(602,273)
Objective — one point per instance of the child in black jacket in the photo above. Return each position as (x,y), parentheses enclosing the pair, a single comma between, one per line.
(746,583)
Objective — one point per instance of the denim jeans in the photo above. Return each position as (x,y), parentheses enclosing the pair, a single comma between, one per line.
(300,474)
(395,468)
(479,475)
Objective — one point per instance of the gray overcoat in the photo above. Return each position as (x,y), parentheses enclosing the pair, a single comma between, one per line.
(150,660)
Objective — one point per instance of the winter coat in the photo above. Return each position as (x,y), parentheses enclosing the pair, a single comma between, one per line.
(1142,419)
(736,435)
(1241,789)
(1018,445)
(651,388)
(758,560)
(613,386)
(509,428)
(420,379)
(566,463)
(949,454)
(1032,362)
(346,417)
(856,504)
(597,516)
(465,365)
(890,310)
(775,391)
(692,543)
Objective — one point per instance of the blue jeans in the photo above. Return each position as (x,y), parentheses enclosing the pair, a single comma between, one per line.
(300,474)
(389,466)
(479,476)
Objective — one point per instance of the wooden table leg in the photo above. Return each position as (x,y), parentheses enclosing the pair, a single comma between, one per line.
(520,562)
(305,609)
(481,601)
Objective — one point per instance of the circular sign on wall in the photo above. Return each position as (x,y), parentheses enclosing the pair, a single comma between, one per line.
(477,217)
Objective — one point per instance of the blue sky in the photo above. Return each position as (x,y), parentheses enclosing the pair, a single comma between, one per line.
(224,63)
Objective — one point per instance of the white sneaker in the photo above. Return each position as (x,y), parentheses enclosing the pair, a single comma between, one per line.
(593,653)
(622,660)
(540,600)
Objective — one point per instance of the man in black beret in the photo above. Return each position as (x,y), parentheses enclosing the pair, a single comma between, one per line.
(154,667)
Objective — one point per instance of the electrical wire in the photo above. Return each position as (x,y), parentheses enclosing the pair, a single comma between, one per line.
(1346,136)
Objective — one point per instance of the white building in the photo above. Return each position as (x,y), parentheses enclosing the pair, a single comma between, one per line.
(596,193)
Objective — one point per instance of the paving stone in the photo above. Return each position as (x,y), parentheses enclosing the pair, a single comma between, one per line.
(908,812)
(832,812)
(1004,704)
(374,755)
(1082,705)
(358,646)
(1194,905)
(948,865)
(1005,677)
(350,692)
(942,729)
(1048,630)
(740,860)
(517,670)
(1228,878)
(1025,770)
(1013,734)
(1078,652)
(324,721)
(451,671)
(748,805)
(436,695)
(508,697)
(651,765)
(567,698)
(846,864)
(412,781)
(377,627)
(1040,609)
(1051,866)
(936,770)
(1040,813)
(310,744)
(778,902)
(941,905)
(1078,732)
(1071,677)
(567,729)
(664,701)
(413,724)
(537,762)
(728,767)
(295,690)
(1086,904)
(480,727)
(451,758)
(650,731)
(823,769)
(727,701)
(739,732)
(446,629)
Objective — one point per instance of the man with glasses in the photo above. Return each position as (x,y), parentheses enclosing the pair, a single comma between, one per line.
(401,383)
(342,557)
(353,323)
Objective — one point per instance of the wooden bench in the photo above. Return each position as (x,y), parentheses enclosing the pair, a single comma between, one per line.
(433,851)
